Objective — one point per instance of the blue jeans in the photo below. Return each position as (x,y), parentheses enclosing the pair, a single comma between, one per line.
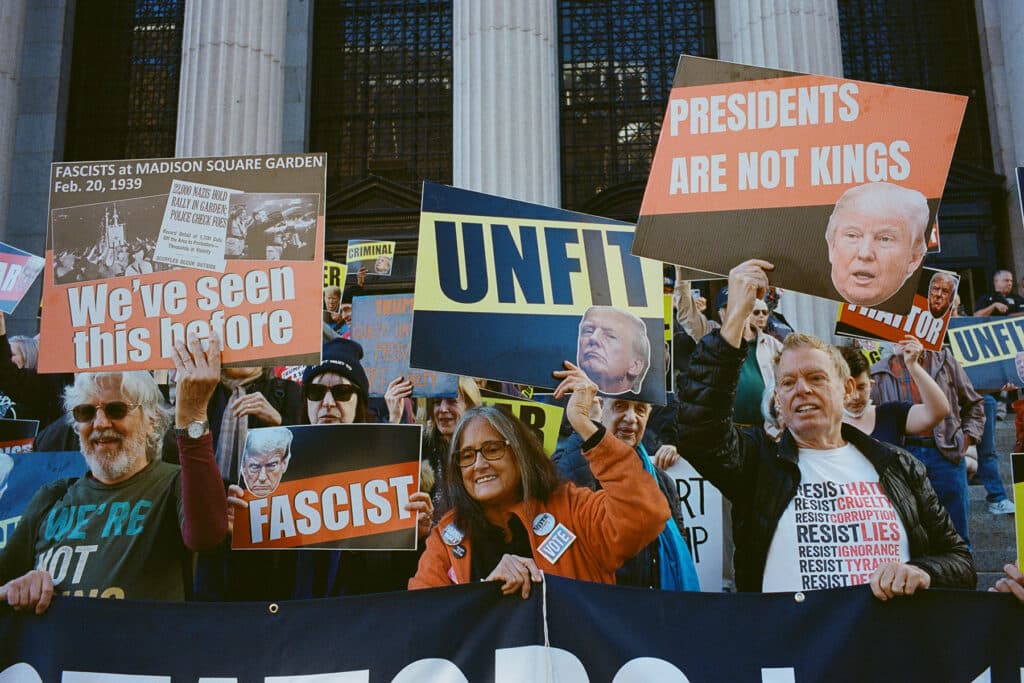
(988,461)
(950,484)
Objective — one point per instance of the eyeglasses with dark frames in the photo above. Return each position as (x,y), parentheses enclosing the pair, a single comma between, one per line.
(490,450)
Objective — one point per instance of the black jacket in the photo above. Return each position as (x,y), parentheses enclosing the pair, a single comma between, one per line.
(760,476)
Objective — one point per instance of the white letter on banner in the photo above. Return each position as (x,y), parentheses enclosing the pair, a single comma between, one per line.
(433,670)
(530,663)
(643,669)
(20,673)
(336,677)
(986,676)
(782,674)
(90,677)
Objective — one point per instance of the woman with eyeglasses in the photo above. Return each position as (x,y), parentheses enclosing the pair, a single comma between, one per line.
(513,517)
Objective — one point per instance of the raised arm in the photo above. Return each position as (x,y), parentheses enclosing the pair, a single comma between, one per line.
(706,435)
(629,511)
(689,315)
(204,513)
(934,406)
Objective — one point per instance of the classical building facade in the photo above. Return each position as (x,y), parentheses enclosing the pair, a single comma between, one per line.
(553,101)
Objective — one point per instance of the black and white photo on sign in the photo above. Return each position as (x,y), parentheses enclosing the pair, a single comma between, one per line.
(105,240)
(272,227)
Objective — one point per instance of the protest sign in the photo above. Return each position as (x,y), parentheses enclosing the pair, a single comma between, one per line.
(991,350)
(23,473)
(1017,468)
(18,270)
(16,436)
(701,504)
(116,293)
(543,419)
(670,375)
(927,320)
(751,162)
(334,275)
(507,290)
(383,325)
(329,486)
(376,256)
(566,631)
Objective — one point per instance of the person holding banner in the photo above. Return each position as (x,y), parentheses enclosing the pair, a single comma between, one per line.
(665,564)
(826,506)
(514,518)
(126,528)
(892,421)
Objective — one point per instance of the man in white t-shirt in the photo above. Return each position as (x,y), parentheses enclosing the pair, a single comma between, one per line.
(826,506)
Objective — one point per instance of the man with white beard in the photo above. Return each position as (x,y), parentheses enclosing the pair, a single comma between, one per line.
(125,529)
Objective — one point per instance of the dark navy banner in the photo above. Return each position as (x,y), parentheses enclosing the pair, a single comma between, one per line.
(472,633)
(991,350)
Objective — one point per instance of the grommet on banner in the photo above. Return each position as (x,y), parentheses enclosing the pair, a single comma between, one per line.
(273,608)
(799,597)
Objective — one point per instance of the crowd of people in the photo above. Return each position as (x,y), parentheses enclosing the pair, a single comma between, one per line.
(838,472)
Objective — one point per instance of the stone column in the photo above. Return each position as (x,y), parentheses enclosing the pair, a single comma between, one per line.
(1001,24)
(796,35)
(12,32)
(232,77)
(505,98)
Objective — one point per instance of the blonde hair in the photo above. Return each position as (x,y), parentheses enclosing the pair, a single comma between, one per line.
(798,340)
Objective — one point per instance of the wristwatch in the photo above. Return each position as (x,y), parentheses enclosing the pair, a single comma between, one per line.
(194,430)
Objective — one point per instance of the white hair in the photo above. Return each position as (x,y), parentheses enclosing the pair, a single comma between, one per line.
(268,439)
(137,386)
(892,200)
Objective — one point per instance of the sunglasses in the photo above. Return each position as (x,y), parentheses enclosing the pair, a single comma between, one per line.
(339,392)
(115,410)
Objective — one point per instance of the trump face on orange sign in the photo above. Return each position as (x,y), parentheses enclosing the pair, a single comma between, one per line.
(876,240)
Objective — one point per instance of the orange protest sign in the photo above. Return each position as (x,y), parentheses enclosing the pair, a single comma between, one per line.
(835,182)
(143,252)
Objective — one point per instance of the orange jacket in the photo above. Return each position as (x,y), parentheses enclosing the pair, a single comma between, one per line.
(610,525)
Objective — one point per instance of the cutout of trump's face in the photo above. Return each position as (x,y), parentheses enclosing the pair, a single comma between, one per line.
(613,349)
(876,241)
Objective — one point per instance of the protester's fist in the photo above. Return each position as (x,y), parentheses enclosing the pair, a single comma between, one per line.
(198,372)
(236,501)
(516,573)
(257,404)
(666,456)
(897,578)
(580,409)
(910,348)
(399,390)
(747,281)
(423,506)
(33,591)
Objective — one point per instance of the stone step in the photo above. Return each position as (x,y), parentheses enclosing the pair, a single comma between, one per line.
(992,560)
(988,579)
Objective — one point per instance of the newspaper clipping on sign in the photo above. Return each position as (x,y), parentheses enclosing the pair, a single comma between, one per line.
(142,252)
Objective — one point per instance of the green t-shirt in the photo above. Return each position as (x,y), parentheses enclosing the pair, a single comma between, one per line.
(108,541)
(747,405)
